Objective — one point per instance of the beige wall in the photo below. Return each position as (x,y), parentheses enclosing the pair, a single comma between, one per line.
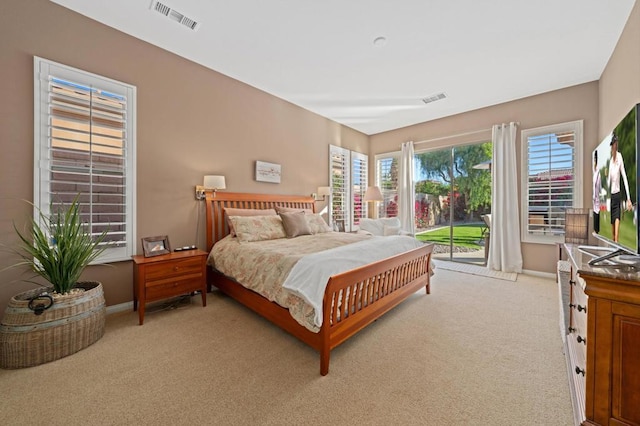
(191,121)
(620,81)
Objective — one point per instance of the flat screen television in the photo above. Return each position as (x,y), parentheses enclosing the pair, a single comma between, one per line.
(615,188)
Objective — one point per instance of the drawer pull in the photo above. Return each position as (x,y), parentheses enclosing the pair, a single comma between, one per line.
(175,268)
(582,308)
(572,330)
(580,370)
(572,305)
(582,339)
(572,282)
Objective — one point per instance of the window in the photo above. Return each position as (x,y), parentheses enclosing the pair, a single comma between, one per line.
(85,144)
(359,179)
(387,179)
(552,176)
(348,181)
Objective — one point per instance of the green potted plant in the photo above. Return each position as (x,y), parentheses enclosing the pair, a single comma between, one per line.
(55,321)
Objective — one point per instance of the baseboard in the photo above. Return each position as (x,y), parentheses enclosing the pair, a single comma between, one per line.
(127,306)
(539,274)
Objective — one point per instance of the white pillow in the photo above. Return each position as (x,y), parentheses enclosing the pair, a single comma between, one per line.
(390,230)
(373,226)
(390,221)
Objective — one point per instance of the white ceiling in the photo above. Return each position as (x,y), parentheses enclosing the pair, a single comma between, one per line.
(320,55)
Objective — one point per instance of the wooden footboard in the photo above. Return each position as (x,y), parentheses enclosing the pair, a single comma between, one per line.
(352,299)
(358,297)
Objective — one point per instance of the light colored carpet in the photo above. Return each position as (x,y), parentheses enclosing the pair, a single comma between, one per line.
(476,351)
(468,268)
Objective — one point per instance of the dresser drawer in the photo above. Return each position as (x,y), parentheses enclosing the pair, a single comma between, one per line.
(169,288)
(578,308)
(579,297)
(173,268)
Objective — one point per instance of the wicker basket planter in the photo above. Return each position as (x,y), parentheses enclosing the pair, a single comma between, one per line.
(72,323)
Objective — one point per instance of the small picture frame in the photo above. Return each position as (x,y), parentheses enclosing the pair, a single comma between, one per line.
(156,246)
(268,172)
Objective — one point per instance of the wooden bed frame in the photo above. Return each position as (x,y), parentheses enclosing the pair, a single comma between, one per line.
(372,289)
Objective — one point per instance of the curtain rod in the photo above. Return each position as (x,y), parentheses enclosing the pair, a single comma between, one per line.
(459,135)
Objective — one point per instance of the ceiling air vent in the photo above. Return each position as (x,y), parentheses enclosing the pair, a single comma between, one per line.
(174,15)
(433,98)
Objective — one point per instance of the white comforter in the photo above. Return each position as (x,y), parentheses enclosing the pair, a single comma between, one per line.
(308,277)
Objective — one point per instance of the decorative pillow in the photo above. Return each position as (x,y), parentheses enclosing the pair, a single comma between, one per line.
(281,209)
(317,225)
(390,230)
(230,211)
(295,224)
(373,226)
(257,228)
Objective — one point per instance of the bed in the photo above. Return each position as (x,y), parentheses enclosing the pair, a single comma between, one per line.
(351,300)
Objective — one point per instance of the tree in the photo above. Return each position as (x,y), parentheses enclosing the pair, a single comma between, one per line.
(432,187)
(473,184)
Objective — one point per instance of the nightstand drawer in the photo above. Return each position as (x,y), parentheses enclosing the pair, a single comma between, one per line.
(173,268)
(168,275)
(170,288)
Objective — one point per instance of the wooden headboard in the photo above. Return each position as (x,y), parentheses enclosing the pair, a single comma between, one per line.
(217,201)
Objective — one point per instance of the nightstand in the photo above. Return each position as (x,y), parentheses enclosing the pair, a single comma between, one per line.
(168,275)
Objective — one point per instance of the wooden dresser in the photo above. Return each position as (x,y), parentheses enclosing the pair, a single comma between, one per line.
(602,340)
(168,275)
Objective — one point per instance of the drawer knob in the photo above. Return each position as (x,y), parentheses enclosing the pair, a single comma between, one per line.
(582,339)
(580,370)
(572,305)
(582,308)
(175,268)
(572,330)
(572,282)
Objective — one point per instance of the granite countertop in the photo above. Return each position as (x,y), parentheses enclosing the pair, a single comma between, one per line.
(625,268)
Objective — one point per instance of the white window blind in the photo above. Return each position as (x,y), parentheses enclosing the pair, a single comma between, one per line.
(359,179)
(387,180)
(84,148)
(340,176)
(552,179)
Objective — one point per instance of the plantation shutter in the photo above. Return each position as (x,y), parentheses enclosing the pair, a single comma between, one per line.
(387,180)
(551,181)
(339,172)
(87,154)
(359,179)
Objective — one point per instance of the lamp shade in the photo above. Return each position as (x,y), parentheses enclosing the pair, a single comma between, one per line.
(576,226)
(214,182)
(372,194)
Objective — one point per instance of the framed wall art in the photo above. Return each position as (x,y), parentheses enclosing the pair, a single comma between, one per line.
(267,172)
(155,246)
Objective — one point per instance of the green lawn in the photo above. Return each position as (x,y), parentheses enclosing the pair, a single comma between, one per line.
(627,228)
(463,235)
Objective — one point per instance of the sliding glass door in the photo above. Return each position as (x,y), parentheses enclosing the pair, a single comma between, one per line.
(453,197)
